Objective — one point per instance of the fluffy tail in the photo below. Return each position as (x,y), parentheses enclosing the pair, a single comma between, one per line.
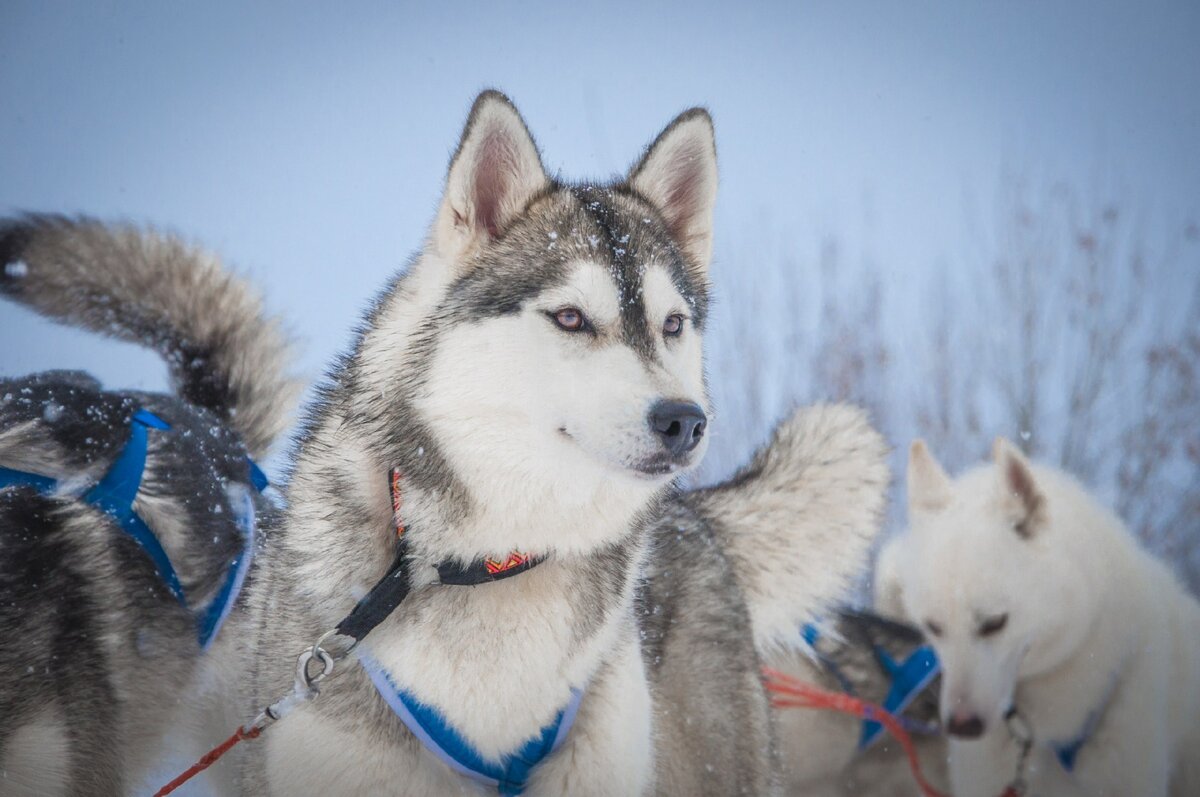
(888,589)
(223,352)
(798,522)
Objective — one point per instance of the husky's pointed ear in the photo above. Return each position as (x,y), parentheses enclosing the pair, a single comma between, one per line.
(494,174)
(678,175)
(1017,486)
(928,484)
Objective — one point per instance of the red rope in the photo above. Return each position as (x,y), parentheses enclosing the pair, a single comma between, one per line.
(208,759)
(791,692)
(788,692)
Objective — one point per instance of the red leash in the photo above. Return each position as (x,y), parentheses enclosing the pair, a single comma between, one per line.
(790,692)
(208,759)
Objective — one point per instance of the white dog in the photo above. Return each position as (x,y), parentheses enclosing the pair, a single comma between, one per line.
(1053,625)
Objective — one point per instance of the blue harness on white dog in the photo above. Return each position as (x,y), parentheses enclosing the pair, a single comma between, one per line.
(1067,752)
(114,495)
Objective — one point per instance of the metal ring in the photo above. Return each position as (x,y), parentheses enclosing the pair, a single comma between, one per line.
(306,657)
(1018,726)
(319,644)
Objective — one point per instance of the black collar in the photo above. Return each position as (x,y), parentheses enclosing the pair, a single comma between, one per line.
(391,590)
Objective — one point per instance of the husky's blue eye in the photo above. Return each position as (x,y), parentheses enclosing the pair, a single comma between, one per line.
(570,319)
(673,325)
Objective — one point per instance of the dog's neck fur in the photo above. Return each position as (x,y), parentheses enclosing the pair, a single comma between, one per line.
(339,531)
(1043,697)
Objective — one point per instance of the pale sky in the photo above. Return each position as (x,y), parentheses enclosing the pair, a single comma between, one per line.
(307,145)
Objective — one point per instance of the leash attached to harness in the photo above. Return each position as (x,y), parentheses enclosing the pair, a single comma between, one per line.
(507,776)
(789,692)
(909,678)
(115,495)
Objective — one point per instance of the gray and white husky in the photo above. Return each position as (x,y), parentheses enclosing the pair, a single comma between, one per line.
(126,519)
(529,390)
(530,387)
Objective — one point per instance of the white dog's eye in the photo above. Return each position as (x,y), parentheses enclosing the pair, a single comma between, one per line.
(570,319)
(993,625)
(673,325)
(933,628)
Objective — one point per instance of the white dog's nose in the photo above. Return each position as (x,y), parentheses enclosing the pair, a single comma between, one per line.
(965,725)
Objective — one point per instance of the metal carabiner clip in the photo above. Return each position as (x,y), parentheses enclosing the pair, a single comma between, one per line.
(1022,734)
(319,645)
(306,679)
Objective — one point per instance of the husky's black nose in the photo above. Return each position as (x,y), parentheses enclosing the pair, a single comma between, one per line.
(679,424)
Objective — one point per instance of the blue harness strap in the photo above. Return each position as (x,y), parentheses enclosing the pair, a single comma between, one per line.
(257,477)
(19,478)
(1067,753)
(811,633)
(210,619)
(909,679)
(115,494)
(508,776)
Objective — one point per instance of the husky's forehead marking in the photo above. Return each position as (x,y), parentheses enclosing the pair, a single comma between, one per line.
(632,237)
(626,244)
(606,225)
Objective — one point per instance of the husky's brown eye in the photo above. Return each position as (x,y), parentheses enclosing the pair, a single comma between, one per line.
(673,325)
(993,625)
(570,319)
(933,628)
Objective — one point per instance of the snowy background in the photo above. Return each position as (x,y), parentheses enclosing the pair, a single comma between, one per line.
(978,218)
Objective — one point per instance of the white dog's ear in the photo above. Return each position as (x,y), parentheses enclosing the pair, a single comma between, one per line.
(1017,486)
(678,175)
(928,484)
(494,174)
